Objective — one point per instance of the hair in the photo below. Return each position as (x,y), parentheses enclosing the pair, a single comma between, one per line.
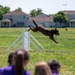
(42,68)
(20,57)
(54,65)
(10,57)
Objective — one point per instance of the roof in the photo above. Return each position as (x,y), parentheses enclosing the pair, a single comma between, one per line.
(73,20)
(41,18)
(5,20)
(69,12)
(16,13)
(42,15)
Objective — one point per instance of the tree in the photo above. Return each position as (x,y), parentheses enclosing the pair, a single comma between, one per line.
(1,6)
(60,17)
(1,13)
(39,11)
(35,12)
(3,10)
(6,9)
(65,19)
(19,9)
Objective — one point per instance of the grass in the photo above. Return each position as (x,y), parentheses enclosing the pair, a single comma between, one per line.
(64,52)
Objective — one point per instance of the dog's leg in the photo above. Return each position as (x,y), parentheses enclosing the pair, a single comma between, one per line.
(33,29)
(29,29)
(52,38)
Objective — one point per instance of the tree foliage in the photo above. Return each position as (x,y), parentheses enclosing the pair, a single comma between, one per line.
(35,12)
(60,17)
(19,9)
(39,11)
(3,10)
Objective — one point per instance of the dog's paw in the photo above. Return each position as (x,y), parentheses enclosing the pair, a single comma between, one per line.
(56,42)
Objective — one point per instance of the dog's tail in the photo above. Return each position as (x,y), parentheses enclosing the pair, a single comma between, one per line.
(34,23)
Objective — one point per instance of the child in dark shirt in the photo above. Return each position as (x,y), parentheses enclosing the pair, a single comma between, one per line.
(10,58)
(54,66)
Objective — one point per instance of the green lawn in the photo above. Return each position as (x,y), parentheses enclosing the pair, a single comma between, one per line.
(64,52)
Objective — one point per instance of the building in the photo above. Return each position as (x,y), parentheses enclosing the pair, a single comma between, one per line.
(71,16)
(21,19)
(42,19)
(14,19)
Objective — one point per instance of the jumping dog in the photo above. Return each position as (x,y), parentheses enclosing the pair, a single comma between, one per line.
(44,31)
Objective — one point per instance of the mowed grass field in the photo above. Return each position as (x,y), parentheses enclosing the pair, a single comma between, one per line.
(64,52)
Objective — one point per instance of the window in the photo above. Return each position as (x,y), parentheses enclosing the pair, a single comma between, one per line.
(24,17)
(20,23)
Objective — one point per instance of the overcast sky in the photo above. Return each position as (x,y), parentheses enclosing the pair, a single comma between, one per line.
(48,6)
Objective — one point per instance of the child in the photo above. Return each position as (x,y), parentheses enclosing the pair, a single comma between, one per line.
(42,68)
(10,58)
(21,58)
(55,67)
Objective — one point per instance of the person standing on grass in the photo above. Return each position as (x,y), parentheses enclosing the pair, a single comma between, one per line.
(21,58)
(42,68)
(10,58)
(55,67)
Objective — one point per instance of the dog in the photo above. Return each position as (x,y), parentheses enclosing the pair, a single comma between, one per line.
(44,31)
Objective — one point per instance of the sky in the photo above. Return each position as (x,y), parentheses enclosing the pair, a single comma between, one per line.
(47,6)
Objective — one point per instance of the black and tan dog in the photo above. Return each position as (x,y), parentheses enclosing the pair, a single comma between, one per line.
(44,31)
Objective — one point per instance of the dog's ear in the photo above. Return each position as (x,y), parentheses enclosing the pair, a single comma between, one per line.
(34,23)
